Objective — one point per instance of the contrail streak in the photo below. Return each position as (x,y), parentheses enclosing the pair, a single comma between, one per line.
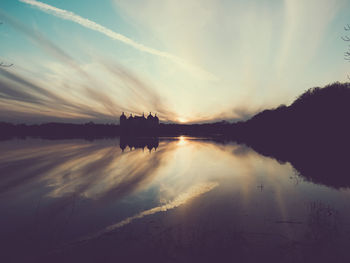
(67,15)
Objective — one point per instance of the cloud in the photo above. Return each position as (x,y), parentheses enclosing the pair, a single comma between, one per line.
(26,94)
(233,114)
(30,99)
(33,87)
(38,38)
(11,92)
(256,49)
(261,50)
(76,92)
(25,99)
(67,15)
(302,35)
(142,94)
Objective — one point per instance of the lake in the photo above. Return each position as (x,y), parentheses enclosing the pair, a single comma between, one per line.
(163,200)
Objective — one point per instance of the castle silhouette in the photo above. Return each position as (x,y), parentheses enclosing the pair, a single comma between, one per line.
(139,124)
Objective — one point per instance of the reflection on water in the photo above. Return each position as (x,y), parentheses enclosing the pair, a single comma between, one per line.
(180,200)
(168,200)
(96,170)
(139,143)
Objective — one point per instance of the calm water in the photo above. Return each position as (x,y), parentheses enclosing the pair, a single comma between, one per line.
(187,200)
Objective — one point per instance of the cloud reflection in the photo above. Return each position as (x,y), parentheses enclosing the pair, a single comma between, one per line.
(90,170)
(181,199)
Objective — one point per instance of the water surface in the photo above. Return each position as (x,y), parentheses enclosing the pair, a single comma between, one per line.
(170,200)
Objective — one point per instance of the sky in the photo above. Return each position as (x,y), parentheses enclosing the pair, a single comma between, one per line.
(188,61)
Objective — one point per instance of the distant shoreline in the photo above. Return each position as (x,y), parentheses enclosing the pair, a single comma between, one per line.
(317,114)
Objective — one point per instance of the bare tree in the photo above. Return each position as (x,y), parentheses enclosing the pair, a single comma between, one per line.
(2,64)
(347,39)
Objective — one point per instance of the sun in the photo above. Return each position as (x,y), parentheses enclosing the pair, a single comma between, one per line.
(182,120)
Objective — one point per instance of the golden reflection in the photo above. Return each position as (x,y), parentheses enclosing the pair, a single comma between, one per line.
(182,141)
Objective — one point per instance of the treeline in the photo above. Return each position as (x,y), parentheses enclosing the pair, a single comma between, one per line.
(206,129)
(313,134)
(319,113)
(94,131)
(87,131)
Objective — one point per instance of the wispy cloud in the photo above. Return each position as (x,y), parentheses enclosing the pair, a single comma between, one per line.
(67,15)
(39,39)
(26,98)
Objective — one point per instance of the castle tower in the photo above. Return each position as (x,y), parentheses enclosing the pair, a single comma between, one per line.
(122,119)
(150,117)
(156,119)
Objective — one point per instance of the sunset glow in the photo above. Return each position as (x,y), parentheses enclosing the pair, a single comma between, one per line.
(209,60)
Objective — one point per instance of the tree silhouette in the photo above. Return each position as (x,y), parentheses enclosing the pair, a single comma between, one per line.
(2,64)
